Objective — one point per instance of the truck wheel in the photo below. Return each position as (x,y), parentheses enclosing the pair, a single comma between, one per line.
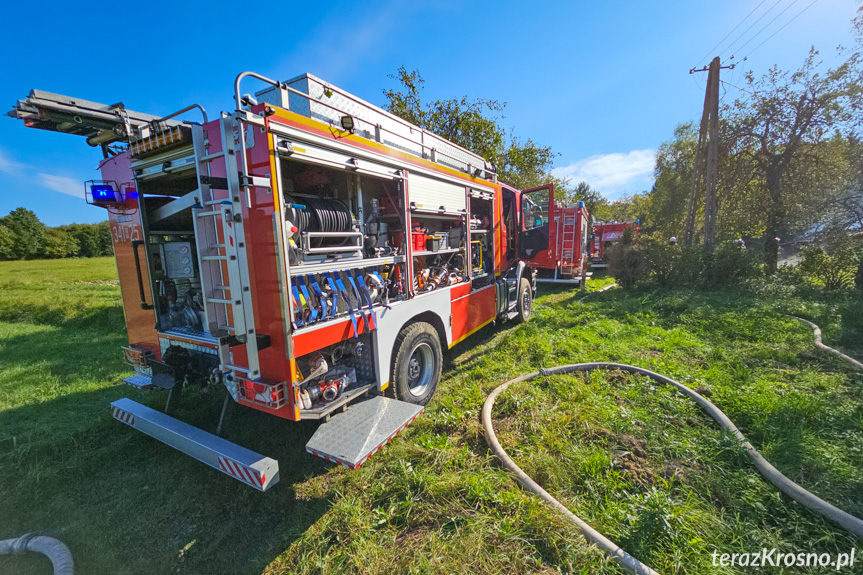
(417,367)
(525,301)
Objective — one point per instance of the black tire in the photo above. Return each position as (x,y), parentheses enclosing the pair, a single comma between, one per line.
(418,363)
(524,304)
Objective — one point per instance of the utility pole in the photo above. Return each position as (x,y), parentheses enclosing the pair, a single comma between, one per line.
(706,160)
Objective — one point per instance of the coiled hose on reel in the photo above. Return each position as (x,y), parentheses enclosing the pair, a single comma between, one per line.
(629,563)
(321,215)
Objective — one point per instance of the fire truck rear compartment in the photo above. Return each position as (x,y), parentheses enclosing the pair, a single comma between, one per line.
(168,198)
(368,242)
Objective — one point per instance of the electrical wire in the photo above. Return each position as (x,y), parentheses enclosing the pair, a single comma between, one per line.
(780,29)
(737,87)
(728,48)
(768,25)
(729,34)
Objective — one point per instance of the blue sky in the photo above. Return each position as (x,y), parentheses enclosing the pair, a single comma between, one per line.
(603,83)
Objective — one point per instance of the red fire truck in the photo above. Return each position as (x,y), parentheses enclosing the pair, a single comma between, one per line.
(555,240)
(309,252)
(605,234)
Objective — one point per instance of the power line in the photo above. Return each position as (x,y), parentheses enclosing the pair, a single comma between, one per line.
(738,87)
(700,60)
(780,29)
(728,48)
(768,25)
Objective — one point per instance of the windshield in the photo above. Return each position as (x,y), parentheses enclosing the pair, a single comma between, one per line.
(534,208)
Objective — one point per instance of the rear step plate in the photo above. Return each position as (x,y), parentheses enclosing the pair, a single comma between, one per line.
(240,463)
(350,438)
(140,381)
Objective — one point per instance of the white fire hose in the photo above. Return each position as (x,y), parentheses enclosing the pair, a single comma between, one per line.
(629,563)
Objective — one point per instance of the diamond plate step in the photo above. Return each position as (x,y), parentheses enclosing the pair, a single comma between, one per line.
(350,438)
(140,381)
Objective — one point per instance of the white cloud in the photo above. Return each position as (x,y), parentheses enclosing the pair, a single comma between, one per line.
(612,174)
(62,184)
(9,166)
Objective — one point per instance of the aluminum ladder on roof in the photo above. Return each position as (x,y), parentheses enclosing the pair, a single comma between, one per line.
(221,242)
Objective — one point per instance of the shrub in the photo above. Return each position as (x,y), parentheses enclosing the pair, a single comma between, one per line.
(833,268)
(733,265)
(675,265)
(628,262)
(858,278)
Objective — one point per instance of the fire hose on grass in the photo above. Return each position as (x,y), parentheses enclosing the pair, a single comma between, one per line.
(53,549)
(629,563)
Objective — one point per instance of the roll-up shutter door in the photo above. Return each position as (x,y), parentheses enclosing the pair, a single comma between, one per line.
(435,195)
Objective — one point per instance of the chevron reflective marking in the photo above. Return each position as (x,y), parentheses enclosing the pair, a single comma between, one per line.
(245,474)
(242,464)
(123,416)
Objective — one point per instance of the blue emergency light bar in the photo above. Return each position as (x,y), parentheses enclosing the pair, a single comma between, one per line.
(103,193)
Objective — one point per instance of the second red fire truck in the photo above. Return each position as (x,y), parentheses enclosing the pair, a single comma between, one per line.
(309,252)
(605,234)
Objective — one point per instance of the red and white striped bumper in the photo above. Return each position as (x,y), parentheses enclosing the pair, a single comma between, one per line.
(238,462)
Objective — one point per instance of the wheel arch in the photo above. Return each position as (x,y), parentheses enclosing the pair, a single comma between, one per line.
(430,318)
(434,309)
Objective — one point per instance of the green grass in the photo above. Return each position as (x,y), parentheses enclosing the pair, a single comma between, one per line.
(639,462)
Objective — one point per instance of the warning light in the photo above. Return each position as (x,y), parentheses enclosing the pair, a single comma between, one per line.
(104,194)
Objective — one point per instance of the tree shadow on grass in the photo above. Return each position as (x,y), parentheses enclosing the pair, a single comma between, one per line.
(122,501)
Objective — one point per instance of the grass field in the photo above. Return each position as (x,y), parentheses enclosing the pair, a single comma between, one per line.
(636,460)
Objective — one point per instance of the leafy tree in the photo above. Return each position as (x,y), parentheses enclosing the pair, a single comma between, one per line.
(28,231)
(844,199)
(627,208)
(93,239)
(474,125)
(583,192)
(780,116)
(7,243)
(104,243)
(60,244)
(673,181)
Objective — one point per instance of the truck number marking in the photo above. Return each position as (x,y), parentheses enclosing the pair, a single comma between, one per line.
(125,233)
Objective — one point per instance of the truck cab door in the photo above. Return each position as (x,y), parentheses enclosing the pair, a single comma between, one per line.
(534,238)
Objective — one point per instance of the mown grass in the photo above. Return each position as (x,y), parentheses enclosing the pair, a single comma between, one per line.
(634,459)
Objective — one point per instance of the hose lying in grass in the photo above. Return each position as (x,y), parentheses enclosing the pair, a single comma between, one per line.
(820,344)
(624,559)
(606,288)
(54,549)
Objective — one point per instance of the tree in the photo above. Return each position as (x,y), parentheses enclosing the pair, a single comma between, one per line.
(583,192)
(93,239)
(28,231)
(673,180)
(780,116)
(7,243)
(844,199)
(105,244)
(60,244)
(474,125)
